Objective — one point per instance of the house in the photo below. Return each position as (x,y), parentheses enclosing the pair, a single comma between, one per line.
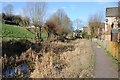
(77,33)
(112,24)
(31,26)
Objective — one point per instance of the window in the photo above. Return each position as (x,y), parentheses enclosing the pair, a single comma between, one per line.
(106,20)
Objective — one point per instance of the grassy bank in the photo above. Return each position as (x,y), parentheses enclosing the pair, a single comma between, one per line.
(15,32)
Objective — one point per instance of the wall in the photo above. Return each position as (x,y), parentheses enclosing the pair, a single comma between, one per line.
(109,23)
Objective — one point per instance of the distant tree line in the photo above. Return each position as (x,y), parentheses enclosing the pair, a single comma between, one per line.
(9,18)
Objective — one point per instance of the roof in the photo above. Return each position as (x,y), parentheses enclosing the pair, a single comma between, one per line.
(113,12)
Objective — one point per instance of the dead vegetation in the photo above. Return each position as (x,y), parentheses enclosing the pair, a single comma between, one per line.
(56,59)
(69,64)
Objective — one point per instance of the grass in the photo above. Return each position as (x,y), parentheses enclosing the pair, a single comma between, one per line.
(14,32)
(93,57)
(114,60)
(108,53)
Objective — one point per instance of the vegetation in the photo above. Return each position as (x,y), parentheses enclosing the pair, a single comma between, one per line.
(11,31)
(78,23)
(63,20)
(9,18)
(15,20)
(85,35)
(59,24)
(94,23)
(36,12)
(108,51)
(8,9)
(71,55)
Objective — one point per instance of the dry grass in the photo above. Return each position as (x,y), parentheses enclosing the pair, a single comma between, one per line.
(76,63)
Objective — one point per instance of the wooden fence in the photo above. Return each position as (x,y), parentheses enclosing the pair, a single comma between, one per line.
(112,47)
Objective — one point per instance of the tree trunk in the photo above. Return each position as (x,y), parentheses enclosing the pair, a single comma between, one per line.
(39,36)
(40,32)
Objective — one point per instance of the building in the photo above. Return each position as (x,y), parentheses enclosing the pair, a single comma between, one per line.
(112,24)
(77,33)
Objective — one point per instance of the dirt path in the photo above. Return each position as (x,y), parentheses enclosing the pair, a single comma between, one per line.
(104,67)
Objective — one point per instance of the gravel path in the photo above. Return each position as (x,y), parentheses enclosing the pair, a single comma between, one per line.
(104,67)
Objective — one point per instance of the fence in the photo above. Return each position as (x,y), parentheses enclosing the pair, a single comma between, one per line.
(115,35)
(112,47)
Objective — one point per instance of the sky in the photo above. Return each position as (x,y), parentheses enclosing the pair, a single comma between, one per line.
(74,10)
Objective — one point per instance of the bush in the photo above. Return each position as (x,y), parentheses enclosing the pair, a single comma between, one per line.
(85,35)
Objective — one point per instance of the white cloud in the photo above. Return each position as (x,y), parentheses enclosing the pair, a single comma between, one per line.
(64,7)
(72,6)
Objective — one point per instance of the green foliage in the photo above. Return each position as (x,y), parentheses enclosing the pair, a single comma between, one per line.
(85,35)
(15,20)
(14,32)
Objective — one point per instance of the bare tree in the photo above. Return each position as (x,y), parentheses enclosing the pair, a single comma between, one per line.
(78,23)
(63,20)
(36,11)
(94,23)
(24,22)
(8,10)
(59,23)
(67,24)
